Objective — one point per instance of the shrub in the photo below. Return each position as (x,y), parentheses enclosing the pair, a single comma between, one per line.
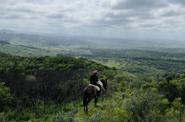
(2,117)
(5,96)
(96,117)
(58,118)
(143,106)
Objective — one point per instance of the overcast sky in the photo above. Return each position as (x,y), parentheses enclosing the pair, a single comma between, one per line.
(154,19)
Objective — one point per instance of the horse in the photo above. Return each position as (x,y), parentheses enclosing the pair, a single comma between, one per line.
(91,92)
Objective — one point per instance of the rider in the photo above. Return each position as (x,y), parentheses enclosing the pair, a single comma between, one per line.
(94,77)
(94,80)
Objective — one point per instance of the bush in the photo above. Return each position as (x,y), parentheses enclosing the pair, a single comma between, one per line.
(58,118)
(176,113)
(143,106)
(96,117)
(5,97)
(2,117)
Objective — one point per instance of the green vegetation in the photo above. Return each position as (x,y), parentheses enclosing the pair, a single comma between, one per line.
(46,77)
(21,50)
(42,87)
(143,86)
(5,96)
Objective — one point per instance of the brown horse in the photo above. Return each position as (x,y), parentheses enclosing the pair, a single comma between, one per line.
(91,92)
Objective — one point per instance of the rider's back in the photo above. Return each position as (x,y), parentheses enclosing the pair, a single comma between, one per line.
(93,79)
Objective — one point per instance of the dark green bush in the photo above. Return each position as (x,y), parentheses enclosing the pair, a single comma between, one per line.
(5,97)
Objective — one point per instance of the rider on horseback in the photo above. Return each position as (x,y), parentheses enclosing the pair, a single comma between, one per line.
(93,90)
(94,80)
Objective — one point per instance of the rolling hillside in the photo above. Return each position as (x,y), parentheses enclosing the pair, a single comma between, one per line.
(45,84)
(21,50)
(49,89)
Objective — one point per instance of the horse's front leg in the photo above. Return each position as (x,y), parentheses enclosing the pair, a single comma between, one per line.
(95,101)
(84,108)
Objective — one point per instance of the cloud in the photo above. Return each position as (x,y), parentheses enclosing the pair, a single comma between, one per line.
(135,4)
(106,16)
(180,2)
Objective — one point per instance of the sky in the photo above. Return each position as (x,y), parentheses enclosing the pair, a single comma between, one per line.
(139,19)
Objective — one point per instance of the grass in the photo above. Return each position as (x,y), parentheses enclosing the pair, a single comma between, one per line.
(107,110)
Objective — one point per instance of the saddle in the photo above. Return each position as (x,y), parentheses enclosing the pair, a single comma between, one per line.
(97,87)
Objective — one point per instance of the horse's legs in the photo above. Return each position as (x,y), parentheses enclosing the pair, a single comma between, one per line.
(85,103)
(87,109)
(84,108)
(88,100)
(95,100)
(98,93)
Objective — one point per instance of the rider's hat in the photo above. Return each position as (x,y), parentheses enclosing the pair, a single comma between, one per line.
(95,72)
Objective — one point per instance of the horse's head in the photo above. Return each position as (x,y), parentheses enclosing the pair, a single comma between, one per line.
(104,81)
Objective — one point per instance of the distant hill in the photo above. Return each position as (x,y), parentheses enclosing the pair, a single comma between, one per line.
(45,41)
(4,42)
(22,50)
(32,44)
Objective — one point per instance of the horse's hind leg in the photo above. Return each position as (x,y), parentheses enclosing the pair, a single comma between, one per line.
(88,101)
(85,103)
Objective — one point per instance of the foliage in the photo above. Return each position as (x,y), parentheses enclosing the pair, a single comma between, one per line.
(142,86)
(6,98)
(46,78)
(173,87)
